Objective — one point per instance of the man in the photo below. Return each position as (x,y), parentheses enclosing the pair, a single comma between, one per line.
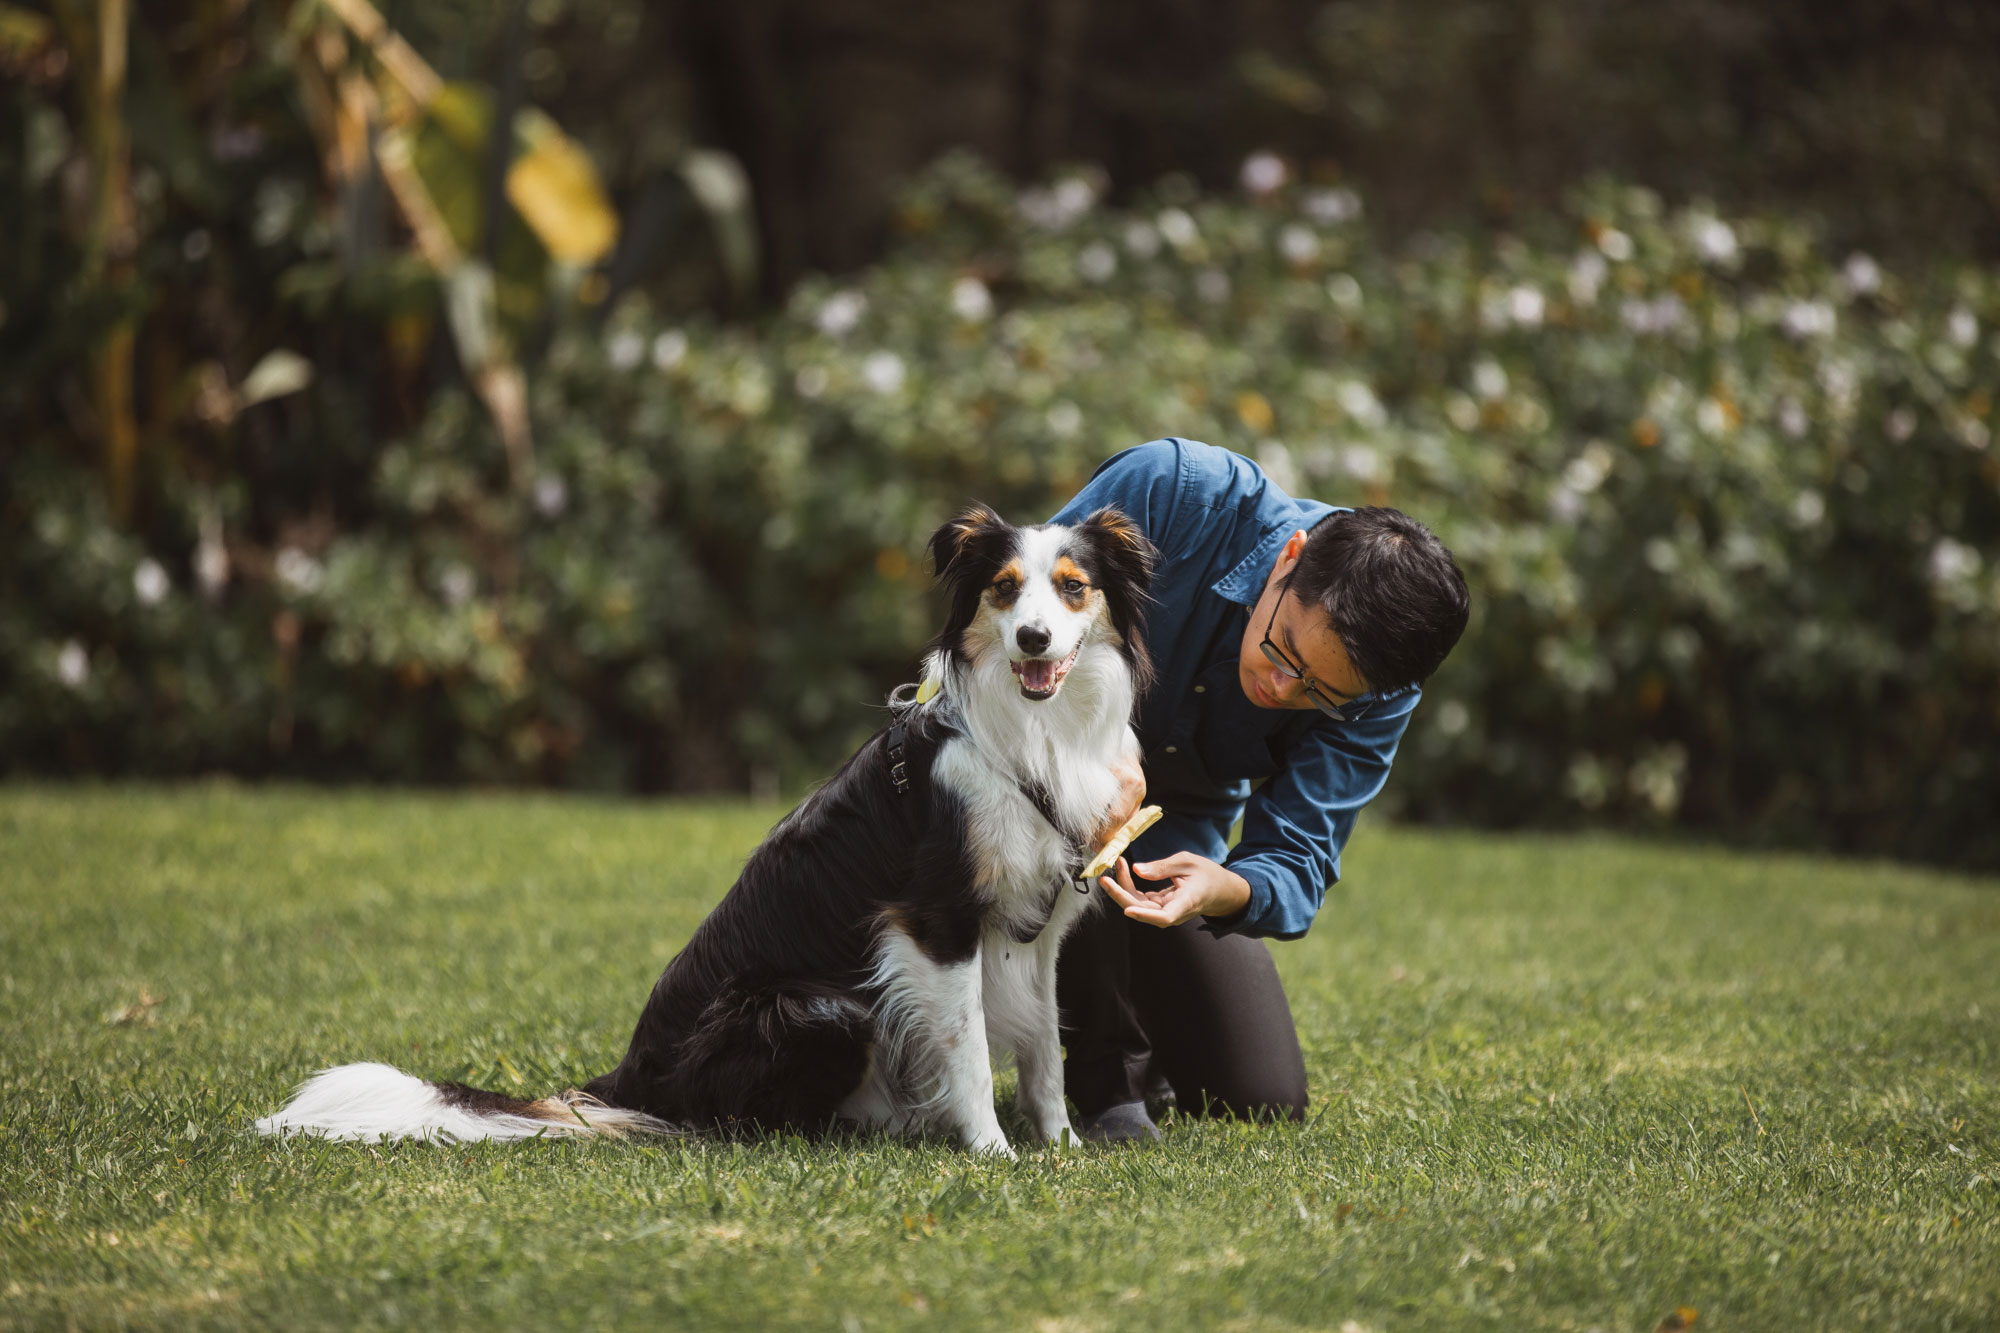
(1290,640)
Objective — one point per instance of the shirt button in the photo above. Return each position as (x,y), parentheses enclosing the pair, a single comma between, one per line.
(1173,749)
(1201,689)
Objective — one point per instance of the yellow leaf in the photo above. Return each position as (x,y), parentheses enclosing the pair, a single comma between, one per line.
(555,189)
(1254,410)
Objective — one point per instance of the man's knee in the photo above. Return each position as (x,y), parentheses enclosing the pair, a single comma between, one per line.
(1267,1099)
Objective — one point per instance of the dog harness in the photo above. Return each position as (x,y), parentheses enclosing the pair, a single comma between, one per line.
(896,751)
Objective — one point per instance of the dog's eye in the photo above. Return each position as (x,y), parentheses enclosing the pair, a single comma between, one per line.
(1072,586)
(1006,587)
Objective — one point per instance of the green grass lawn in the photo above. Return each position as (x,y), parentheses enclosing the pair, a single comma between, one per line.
(1558,1083)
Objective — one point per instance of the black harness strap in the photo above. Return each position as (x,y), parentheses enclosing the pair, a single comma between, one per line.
(896,749)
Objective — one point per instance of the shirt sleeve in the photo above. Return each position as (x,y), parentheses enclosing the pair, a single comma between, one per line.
(1144,482)
(1296,825)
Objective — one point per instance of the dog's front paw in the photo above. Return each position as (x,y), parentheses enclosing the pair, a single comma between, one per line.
(1062,1134)
(992,1145)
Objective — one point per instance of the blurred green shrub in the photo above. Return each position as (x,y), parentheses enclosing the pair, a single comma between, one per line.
(1729,505)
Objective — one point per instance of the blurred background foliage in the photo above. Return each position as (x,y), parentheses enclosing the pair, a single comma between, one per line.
(560,392)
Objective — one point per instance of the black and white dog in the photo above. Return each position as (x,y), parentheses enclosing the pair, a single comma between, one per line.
(905,919)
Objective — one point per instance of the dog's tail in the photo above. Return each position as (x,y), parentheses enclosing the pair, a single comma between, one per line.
(372,1102)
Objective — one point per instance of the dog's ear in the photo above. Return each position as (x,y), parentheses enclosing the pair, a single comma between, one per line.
(1122,547)
(964,552)
(949,542)
(1124,560)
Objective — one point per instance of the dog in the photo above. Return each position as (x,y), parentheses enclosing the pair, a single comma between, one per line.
(905,919)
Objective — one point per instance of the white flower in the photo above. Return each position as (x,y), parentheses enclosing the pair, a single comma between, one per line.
(627,349)
(1861,275)
(1565,505)
(669,350)
(1298,244)
(1615,244)
(150,583)
(1461,411)
(1097,262)
(1963,326)
(1330,208)
(841,312)
(1075,195)
(1809,319)
(551,495)
(1525,306)
(1142,240)
(1586,275)
(1792,419)
(1902,424)
(971,301)
(1177,227)
(1276,460)
(211,559)
(1662,314)
(73,665)
(1264,172)
(883,372)
(1586,472)
(1809,508)
(1344,292)
(1711,417)
(1489,380)
(1212,285)
(1360,462)
(1953,561)
(457,585)
(1359,402)
(1065,419)
(811,381)
(1715,240)
(298,572)
(1055,208)
(1662,556)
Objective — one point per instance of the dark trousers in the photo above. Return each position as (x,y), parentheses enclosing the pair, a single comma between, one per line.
(1207,1014)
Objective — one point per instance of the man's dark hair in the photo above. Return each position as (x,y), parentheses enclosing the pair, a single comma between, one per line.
(1393,592)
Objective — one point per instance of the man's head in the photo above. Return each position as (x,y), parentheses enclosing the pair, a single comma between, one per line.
(1368,601)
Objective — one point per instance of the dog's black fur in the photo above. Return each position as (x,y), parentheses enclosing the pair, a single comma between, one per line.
(768,1017)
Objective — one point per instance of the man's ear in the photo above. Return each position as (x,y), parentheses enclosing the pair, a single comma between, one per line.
(950,541)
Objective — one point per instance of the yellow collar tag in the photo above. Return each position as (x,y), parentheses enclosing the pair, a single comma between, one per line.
(928,690)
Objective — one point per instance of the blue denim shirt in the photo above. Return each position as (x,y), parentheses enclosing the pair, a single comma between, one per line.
(1219,523)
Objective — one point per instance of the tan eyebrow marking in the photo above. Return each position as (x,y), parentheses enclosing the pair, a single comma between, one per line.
(1063,571)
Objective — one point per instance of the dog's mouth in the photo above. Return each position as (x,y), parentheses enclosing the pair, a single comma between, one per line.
(1041,676)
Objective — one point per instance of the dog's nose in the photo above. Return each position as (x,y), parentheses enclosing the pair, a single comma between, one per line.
(1032,638)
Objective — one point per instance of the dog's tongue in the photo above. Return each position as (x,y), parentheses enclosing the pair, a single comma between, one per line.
(1039,676)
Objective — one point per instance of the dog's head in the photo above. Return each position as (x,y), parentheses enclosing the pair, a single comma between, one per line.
(1044,595)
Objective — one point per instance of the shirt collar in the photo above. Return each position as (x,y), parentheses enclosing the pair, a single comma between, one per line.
(1245,583)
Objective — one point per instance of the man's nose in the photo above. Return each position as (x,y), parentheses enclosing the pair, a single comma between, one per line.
(1032,638)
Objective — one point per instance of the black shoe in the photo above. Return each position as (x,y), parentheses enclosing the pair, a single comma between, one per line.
(1126,1122)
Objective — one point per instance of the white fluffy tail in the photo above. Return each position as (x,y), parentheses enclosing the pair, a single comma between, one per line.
(373,1102)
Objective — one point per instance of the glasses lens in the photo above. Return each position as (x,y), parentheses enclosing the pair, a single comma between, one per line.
(1325,705)
(1278,660)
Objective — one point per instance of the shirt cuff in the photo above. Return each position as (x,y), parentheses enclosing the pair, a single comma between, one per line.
(1252,911)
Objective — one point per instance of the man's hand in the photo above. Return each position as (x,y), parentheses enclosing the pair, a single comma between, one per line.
(1195,886)
(1131,795)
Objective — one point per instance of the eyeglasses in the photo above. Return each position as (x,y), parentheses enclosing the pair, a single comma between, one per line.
(1346,711)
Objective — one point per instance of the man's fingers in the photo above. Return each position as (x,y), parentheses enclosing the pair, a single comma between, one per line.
(1167,866)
